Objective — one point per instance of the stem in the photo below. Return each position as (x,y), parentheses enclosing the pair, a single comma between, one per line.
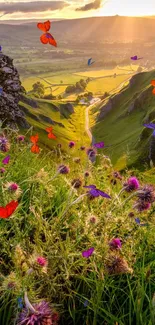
(28,304)
(74,202)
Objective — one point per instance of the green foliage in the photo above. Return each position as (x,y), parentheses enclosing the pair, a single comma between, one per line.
(53,220)
(38,88)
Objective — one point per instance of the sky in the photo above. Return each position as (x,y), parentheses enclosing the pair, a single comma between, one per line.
(47,9)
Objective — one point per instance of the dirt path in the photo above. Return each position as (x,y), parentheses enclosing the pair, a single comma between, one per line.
(87,121)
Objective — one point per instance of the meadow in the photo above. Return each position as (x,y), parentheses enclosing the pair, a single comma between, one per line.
(57,220)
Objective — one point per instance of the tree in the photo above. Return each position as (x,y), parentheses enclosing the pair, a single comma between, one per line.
(38,88)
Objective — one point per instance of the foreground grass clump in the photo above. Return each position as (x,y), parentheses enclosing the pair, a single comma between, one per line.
(72,254)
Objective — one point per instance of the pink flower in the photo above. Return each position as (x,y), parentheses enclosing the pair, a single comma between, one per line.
(20,138)
(132,184)
(2,170)
(115,243)
(41,261)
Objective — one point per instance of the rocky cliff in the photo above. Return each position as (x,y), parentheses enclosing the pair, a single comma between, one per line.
(10,86)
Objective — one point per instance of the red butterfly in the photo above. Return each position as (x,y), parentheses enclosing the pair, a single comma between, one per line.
(5,212)
(50,133)
(153,84)
(47,37)
(34,139)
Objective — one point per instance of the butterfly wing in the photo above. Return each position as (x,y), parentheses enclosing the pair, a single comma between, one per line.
(51,136)
(99,145)
(44,39)
(34,138)
(35,148)
(45,27)
(153,83)
(103,194)
(3,212)
(11,207)
(52,41)
(153,91)
(49,129)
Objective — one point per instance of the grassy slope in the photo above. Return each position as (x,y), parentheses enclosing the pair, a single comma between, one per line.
(73,124)
(122,130)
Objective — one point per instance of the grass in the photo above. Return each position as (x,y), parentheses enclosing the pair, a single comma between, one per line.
(47,223)
(122,130)
(106,72)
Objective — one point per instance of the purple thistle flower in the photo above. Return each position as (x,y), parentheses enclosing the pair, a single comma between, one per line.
(41,261)
(71,144)
(141,205)
(88,252)
(43,315)
(115,243)
(76,183)
(96,192)
(20,138)
(147,194)
(91,153)
(6,160)
(132,184)
(4,144)
(82,148)
(2,170)
(62,169)
(150,126)
(13,187)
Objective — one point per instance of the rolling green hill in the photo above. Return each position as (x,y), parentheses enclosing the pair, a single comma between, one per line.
(118,121)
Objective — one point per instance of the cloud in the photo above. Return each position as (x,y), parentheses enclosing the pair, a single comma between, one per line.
(90,6)
(9,8)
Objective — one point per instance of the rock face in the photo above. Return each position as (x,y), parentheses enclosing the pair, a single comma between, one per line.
(10,113)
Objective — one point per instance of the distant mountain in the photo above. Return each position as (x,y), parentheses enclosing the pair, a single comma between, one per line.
(120,119)
(93,30)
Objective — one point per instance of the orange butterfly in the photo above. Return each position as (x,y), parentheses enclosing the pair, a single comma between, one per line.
(153,84)
(47,37)
(5,212)
(50,133)
(34,139)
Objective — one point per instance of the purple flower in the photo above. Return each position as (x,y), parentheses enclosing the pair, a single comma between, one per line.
(41,261)
(43,315)
(63,169)
(91,152)
(150,126)
(71,144)
(13,187)
(115,243)
(2,170)
(139,223)
(20,138)
(132,184)
(4,144)
(6,160)
(141,205)
(147,194)
(96,192)
(99,145)
(88,252)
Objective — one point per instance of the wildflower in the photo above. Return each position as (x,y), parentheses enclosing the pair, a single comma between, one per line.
(2,170)
(88,252)
(117,265)
(132,184)
(117,175)
(71,144)
(62,169)
(13,188)
(96,192)
(139,222)
(131,214)
(91,153)
(20,138)
(6,160)
(86,174)
(4,144)
(86,303)
(77,160)
(41,261)
(93,219)
(82,148)
(76,183)
(59,145)
(115,243)
(147,194)
(142,205)
(38,314)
